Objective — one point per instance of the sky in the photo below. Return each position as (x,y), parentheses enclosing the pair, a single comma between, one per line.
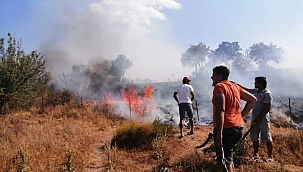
(152,34)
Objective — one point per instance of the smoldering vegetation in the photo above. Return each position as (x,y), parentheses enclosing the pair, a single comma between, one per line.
(82,47)
(148,99)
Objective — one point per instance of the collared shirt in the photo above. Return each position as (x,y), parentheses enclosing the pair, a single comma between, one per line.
(263,97)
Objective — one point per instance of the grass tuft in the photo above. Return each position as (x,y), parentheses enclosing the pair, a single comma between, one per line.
(138,134)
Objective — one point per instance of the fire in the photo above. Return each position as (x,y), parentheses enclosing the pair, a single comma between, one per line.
(139,102)
(109,100)
(148,91)
(91,103)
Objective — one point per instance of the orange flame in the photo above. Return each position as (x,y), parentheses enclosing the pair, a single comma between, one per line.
(109,100)
(148,91)
(138,102)
(90,103)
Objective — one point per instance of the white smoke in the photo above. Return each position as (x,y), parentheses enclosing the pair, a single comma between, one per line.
(103,30)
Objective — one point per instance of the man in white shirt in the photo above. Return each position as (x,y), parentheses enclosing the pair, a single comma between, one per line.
(184,95)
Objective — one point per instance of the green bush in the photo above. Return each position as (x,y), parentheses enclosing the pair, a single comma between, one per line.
(161,129)
(137,134)
(133,135)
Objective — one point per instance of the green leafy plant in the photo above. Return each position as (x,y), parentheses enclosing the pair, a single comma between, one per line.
(20,75)
(67,165)
(23,154)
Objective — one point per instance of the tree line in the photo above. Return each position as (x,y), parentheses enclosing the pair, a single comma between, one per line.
(259,55)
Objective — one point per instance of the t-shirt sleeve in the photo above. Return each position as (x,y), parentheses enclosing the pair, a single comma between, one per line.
(191,89)
(268,98)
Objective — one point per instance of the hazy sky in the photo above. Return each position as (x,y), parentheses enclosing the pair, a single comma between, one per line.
(151,33)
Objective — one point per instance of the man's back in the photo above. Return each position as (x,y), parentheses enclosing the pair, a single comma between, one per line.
(184,95)
(232,108)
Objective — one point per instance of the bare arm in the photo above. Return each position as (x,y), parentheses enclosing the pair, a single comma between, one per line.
(192,96)
(220,111)
(175,97)
(267,107)
(247,89)
(250,102)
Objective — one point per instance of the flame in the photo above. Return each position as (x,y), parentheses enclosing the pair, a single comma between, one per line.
(90,103)
(148,91)
(139,102)
(109,100)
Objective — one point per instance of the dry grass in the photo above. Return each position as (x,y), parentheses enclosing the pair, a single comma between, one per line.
(67,138)
(48,139)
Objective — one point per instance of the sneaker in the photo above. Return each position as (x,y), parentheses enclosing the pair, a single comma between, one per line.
(255,158)
(190,133)
(269,160)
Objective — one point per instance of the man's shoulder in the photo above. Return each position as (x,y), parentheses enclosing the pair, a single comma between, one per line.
(185,86)
(267,91)
(181,85)
(223,84)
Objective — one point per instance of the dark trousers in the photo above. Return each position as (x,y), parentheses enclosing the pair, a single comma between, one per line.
(230,138)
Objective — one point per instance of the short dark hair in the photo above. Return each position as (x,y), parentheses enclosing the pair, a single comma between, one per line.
(222,70)
(262,80)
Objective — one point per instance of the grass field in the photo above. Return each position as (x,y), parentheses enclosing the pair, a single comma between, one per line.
(66,138)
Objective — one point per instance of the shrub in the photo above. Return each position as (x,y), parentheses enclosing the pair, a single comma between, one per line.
(133,135)
(162,129)
(137,134)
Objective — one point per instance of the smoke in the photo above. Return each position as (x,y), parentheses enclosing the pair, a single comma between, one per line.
(92,32)
(79,32)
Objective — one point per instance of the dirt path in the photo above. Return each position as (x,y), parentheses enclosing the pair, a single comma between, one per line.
(99,160)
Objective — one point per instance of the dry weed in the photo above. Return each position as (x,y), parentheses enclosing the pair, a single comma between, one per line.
(67,138)
(46,137)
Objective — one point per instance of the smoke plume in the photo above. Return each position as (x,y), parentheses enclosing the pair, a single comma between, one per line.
(79,32)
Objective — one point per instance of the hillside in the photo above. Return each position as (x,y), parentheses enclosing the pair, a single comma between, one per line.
(77,139)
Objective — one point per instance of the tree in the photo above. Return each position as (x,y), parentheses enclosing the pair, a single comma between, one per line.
(195,55)
(262,54)
(19,74)
(119,66)
(243,63)
(227,53)
(42,89)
